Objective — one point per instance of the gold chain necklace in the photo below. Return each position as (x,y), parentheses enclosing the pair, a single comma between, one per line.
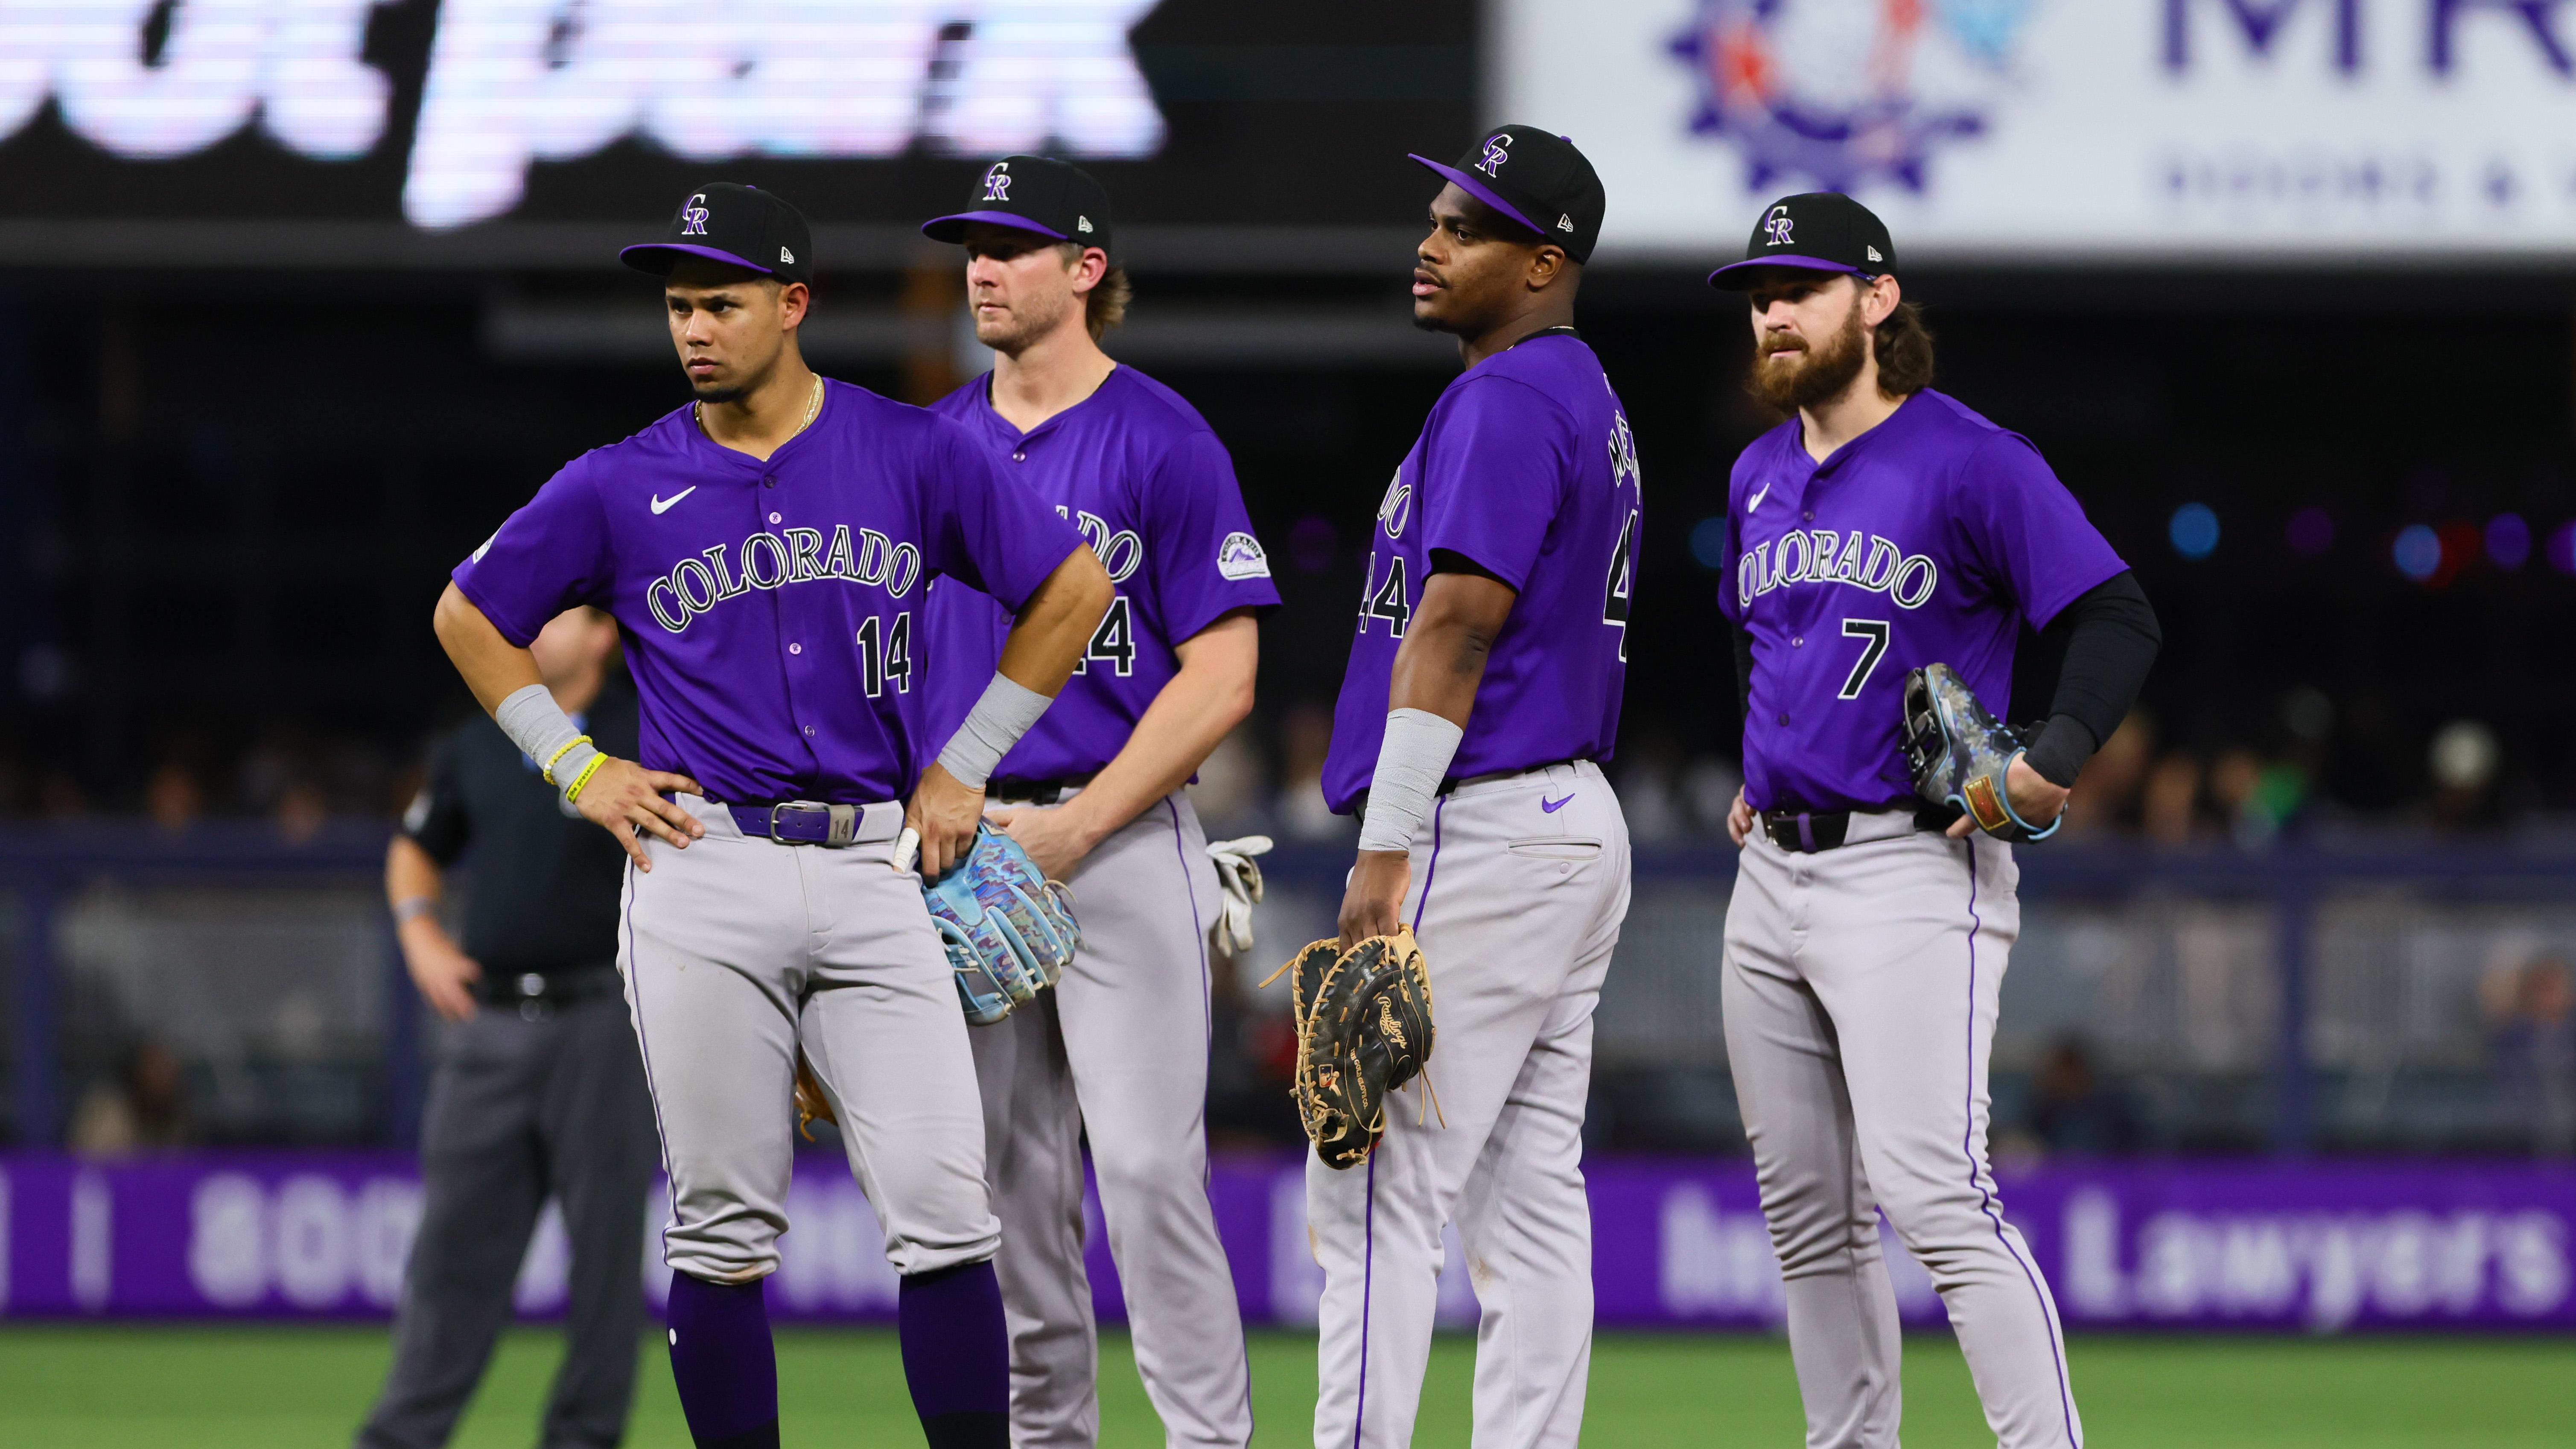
(813,409)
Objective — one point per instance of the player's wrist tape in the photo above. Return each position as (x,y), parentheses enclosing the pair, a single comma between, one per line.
(1411,762)
(547,735)
(996,723)
(412,908)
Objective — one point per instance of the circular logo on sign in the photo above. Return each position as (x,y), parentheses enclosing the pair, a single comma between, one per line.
(1846,92)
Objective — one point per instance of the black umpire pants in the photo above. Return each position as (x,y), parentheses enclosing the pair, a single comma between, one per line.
(520,1110)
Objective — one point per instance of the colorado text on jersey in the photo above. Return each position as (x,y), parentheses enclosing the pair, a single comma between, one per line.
(769,560)
(1823,556)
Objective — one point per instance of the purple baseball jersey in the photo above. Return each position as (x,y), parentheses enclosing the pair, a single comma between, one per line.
(1140,473)
(1927,539)
(1527,469)
(768,607)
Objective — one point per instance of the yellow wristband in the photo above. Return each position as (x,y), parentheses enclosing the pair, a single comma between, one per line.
(573,792)
(549,770)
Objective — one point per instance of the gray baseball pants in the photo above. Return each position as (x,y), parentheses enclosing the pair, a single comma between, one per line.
(1860,991)
(1119,1045)
(736,950)
(521,1110)
(1519,887)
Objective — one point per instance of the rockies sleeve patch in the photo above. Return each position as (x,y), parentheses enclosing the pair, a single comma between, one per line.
(1240,557)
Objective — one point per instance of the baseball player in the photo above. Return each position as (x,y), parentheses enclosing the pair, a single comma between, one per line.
(1483,688)
(1094,793)
(1883,528)
(764,552)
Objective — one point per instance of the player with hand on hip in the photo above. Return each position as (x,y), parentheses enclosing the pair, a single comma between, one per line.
(761,551)
(1885,528)
(1119,1049)
(1483,687)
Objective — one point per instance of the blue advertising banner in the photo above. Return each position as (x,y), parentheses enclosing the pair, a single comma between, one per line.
(2258,1246)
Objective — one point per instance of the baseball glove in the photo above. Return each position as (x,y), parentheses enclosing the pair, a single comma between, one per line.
(1009,930)
(811,1105)
(1958,753)
(1363,1031)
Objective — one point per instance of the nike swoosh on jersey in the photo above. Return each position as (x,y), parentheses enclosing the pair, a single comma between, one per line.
(662,505)
(1553,806)
(1756,500)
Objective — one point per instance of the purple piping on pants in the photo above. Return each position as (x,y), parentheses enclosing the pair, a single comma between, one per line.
(635,994)
(1181,848)
(1368,1216)
(1207,1016)
(1368,1267)
(1968,1149)
(1431,868)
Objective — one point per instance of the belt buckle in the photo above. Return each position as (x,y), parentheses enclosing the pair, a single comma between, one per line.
(841,823)
(1777,823)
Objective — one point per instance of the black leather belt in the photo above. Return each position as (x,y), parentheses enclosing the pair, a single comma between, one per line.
(1035,792)
(539,994)
(1806,832)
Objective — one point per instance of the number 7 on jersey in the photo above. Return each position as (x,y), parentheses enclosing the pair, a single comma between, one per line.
(1875,631)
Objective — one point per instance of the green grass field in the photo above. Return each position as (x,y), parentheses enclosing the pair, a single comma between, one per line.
(216,1388)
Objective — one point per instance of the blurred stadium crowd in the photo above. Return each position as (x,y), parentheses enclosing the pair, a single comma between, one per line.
(218,637)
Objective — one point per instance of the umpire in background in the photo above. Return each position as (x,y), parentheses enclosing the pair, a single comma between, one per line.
(539,1090)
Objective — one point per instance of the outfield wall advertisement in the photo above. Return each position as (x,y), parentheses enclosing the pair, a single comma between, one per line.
(2067,128)
(2323,1248)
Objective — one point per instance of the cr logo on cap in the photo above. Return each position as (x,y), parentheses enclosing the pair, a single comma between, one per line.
(693,216)
(997,182)
(1496,153)
(1778,225)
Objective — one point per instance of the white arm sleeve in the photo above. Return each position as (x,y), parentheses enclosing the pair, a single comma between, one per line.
(1411,762)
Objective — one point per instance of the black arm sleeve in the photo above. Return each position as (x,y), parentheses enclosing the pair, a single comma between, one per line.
(1744,671)
(2112,638)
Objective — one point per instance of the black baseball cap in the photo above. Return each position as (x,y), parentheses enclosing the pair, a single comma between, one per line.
(1536,178)
(1817,231)
(742,225)
(1033,193)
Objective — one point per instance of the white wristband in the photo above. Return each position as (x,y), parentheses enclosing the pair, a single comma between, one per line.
(1411,762)
(541,730)
(994,725)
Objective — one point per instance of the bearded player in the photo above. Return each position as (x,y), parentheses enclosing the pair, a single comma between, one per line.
(763,550)
(1119,1049)
(1881,529)
(1483,688)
